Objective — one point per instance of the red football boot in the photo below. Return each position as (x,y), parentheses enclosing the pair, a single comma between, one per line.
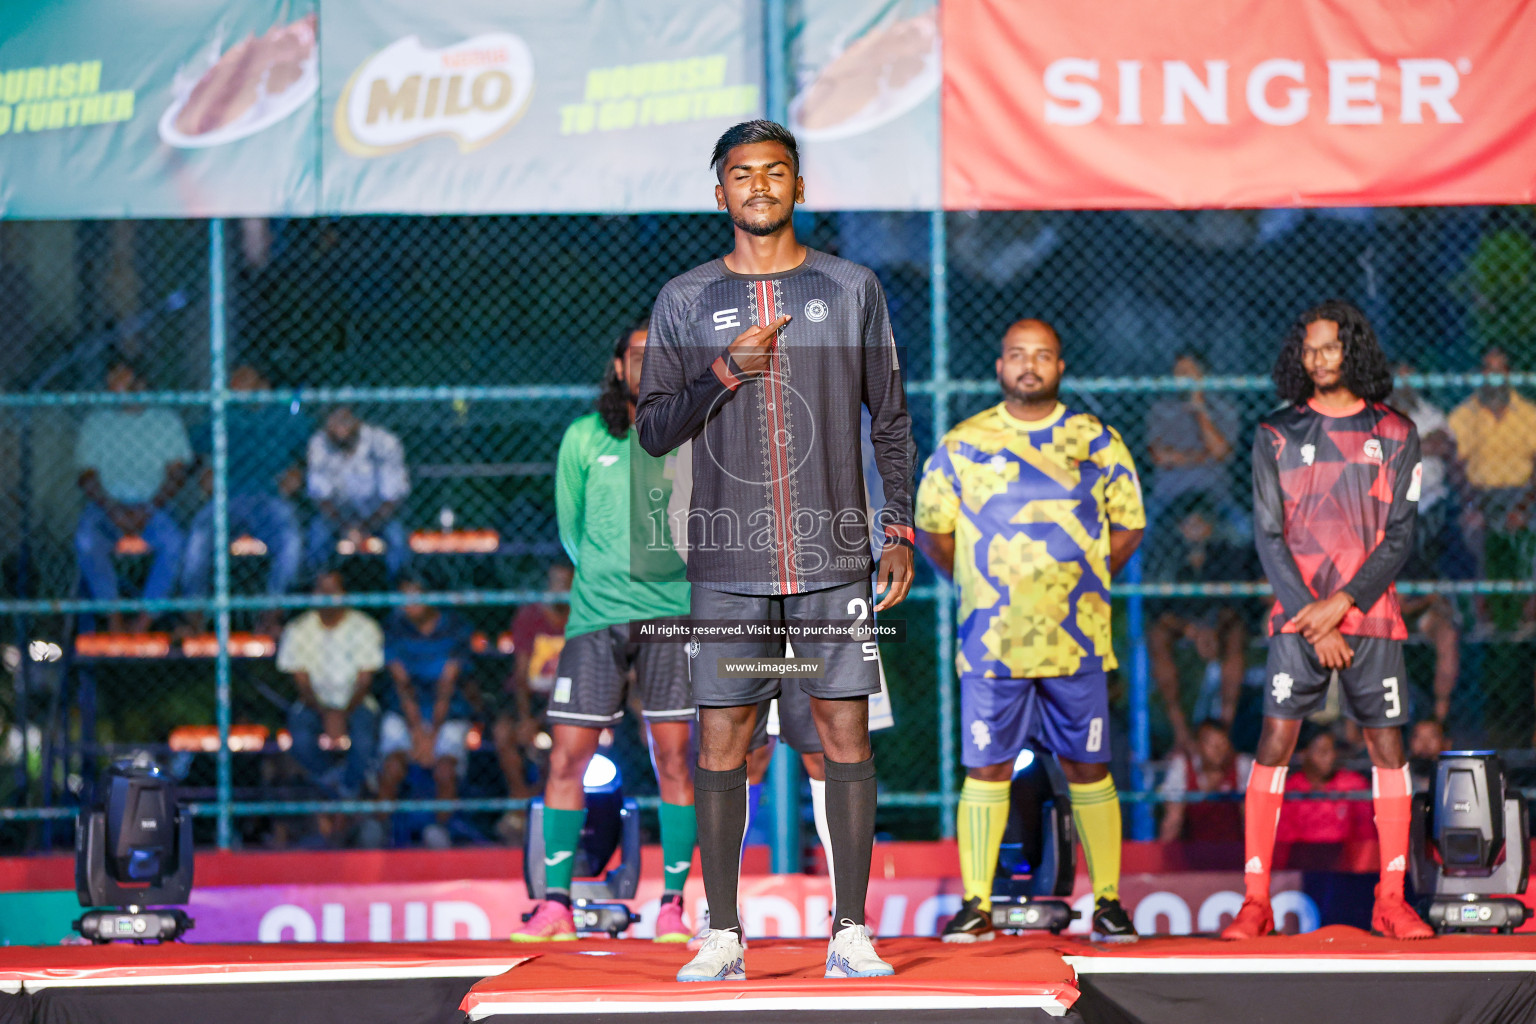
(1253,919)
(1393,917)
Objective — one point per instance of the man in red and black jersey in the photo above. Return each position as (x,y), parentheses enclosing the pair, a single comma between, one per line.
(1335,495)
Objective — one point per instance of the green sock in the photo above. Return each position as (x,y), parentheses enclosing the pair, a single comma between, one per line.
(562,831)
(679,831)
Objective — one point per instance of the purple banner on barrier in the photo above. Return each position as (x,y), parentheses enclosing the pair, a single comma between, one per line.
(1176,903)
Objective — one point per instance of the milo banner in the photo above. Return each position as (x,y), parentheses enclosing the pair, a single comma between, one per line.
(487,106)
(157,108)
(865,103)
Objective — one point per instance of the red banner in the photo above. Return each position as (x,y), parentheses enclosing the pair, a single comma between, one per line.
(1222,103)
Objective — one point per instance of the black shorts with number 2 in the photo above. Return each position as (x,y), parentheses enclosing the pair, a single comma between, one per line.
(1375,685)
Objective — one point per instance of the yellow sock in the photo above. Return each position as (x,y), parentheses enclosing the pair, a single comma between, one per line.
(1096,813)
(981,819)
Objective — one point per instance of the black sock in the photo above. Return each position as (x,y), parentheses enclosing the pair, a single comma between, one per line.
(720,802)
(851,822)
(559,896)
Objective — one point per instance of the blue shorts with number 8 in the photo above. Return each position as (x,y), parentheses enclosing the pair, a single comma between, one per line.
(1068,715)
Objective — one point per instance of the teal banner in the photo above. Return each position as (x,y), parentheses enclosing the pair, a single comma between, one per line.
(865,103)
(181,108)
(490,106)
(158,108)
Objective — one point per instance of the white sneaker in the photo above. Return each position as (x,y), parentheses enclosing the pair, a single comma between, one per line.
(851,955)
(868,931)
(702,935)
(723,958)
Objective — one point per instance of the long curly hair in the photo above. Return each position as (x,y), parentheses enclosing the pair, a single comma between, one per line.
(613,399)
(1365,370)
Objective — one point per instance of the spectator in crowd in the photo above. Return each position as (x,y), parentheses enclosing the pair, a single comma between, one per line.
(357,478)
(1495,432)
(332,653)
(1324,821)
(1439,550)
(426,718)
(132,460)
(1426,742)
(266,445)
(538,636)
(1190,439)
(1212,767)
(1216,628)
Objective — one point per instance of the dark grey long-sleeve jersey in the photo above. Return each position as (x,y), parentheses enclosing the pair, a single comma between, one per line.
(778,487)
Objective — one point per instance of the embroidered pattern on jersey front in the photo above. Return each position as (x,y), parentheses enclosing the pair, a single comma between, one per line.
(766,302)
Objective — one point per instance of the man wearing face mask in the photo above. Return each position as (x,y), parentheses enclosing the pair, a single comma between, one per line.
(357,479)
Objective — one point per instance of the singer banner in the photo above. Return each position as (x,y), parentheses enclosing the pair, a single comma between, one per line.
(1223,103)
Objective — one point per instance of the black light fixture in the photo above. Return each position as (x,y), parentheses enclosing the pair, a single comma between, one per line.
(133,851)
(1037,862)
(613,823)
(1470,845)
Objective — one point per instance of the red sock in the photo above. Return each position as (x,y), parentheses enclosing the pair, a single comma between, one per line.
(1266,792)
(1392,793)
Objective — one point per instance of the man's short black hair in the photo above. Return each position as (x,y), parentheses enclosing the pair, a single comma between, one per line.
(1195,503)
(1039,324)
(1310,733)
(118,361)
(747,133)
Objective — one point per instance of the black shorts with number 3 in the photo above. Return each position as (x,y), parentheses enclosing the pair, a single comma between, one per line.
(1375,685)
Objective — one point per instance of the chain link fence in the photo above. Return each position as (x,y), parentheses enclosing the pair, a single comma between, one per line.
(385,397)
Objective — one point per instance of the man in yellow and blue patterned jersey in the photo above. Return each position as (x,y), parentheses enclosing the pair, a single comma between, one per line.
(1032,507)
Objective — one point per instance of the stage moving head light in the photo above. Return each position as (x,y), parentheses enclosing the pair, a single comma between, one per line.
(1037,862)
(613,823)
(1470,845)
(133,849)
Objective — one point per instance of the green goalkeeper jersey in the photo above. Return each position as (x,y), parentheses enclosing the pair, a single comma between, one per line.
(612,502)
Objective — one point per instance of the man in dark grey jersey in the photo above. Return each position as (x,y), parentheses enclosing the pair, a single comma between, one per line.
(763,359)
